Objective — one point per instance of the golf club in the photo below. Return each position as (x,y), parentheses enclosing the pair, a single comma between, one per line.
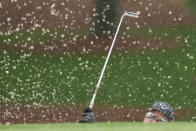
(88,115)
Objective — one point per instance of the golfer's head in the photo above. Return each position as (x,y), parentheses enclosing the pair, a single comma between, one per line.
(159,112)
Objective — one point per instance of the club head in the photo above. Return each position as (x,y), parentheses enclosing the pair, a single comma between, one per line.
(88,116)
(132,14)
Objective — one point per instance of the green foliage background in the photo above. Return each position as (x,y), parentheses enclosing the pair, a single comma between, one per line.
(136,78)
(191,4)
(106,17)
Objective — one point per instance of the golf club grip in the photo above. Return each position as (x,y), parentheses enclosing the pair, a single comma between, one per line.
(92,101)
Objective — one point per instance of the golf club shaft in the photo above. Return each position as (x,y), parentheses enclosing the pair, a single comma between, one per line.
(104,67)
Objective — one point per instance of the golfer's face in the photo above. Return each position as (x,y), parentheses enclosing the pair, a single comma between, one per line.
(154,116)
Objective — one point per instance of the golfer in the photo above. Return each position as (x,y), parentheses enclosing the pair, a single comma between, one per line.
(159,112)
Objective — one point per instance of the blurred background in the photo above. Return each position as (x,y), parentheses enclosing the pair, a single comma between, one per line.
(52,53)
